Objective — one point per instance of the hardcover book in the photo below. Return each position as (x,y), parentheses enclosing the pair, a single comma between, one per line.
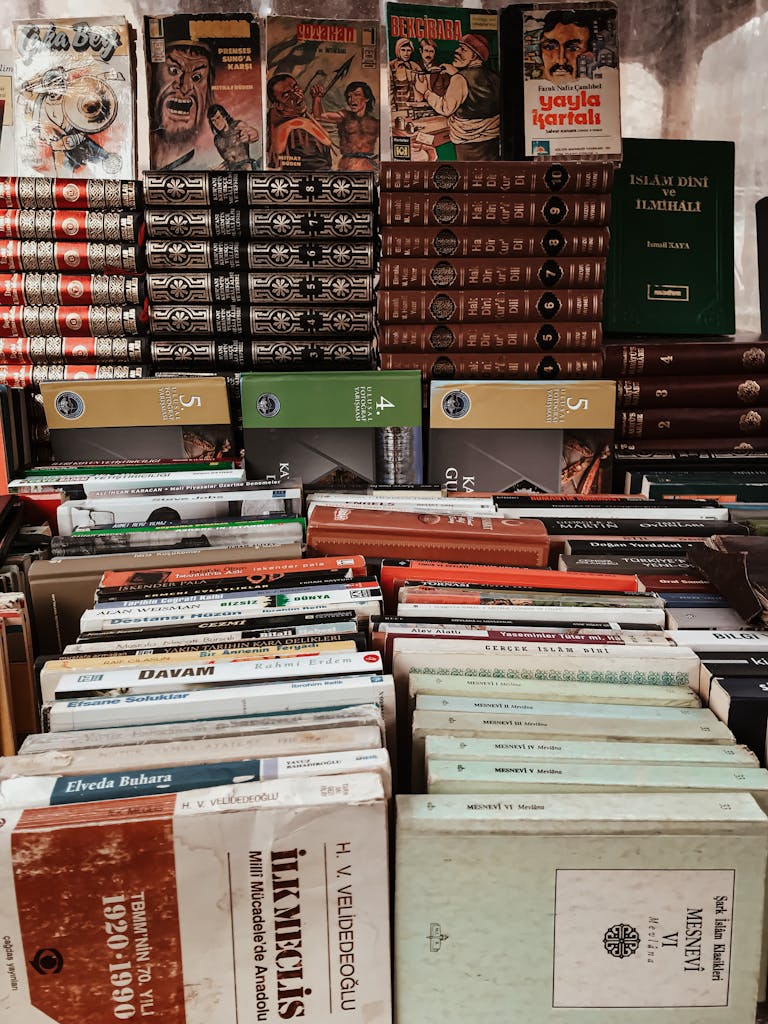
(323,108)
(444,85)
(670,262)
(532,435)
(75,98)
(204,84)
(561,78)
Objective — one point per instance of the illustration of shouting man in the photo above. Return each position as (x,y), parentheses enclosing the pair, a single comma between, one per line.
(183,90)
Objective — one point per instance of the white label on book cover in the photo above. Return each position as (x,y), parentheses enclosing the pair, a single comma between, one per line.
(636,939)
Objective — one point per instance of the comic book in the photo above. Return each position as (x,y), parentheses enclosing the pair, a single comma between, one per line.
(322,95)
(7,159)
(75,98)
(561,81)
(444,86)
(204,92)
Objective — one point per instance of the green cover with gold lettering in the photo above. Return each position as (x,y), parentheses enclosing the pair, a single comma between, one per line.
(670,265)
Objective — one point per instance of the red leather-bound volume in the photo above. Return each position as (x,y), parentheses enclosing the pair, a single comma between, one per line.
(374,534)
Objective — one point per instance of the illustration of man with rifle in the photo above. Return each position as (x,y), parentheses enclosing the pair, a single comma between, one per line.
(357,128)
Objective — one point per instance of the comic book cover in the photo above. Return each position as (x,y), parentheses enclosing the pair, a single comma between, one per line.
(562,80)
(7,159)
(444,86)
(322,95)
(75,98)
(204,92)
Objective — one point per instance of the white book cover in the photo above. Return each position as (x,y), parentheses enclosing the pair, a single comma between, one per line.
(691,514)
(626,909)
(703,640)
(257,902)
(490,705)
(123,481)
(287,594)
(633,617)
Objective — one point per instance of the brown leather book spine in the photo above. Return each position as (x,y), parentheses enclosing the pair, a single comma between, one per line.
(671,423)
(492,273)
(490,338)
(727,392)
(526,366)
(494,210)
(703,357)
(497,176)
(415,307)
(675,446)
(517,243)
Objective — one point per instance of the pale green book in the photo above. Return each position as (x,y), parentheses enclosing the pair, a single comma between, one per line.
(577,909)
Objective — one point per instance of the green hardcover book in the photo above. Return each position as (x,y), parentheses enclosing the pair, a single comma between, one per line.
(444,85)
(670,264)
(334,429)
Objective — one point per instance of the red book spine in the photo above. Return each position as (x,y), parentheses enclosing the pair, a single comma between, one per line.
(422,242)
(492,273)
(679,423)
(704,357)
(69,257)
(36,289)
(728,392)
(530,367)
(34,351)
(486,339)
(374,534)
(22,375)
(496,176)
(418,307)
(493,210)
(75,321)
(73,225)
(71,194)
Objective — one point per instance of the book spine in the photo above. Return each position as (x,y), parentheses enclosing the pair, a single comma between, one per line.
(603,527)
(489,338)
(253,321)
(66,257)
(321,540)
(216,189)
(273,288)
(489,273)
(671,359)
(35,289)
(72,321)
(272,354)
(73,226)
(487,306)
(493,210)
(423,242)
(495,367)
(501,176)
(21,375)
(671,423)
(326,224)
(69,194)
(732,392)
(32,351)
(187,255)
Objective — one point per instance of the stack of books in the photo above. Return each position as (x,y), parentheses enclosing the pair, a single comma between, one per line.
(493,269)
(251,270)
(70,280)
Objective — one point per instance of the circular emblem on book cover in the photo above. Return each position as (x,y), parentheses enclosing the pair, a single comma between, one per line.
(441,339)
(750,422)
(446,178)
(549,305)
(550,273)
(69,405)
(555,210)
(547,337)
(72,257)
(445,243)
(556,177)
(446,210)
(553,243)
(748,392)
(456,404)
(442,307)
(548,368)
(753,357)
(73,321)
(71,192)
(621,941)
(442,275)
(268,405)
(75,289)
(443,368)
(69,226)
(47,961)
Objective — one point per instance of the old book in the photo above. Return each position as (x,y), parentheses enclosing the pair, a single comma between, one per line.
(70,290)
(505,436)
(58,193)
(392,534)
(450,592)
(496,366)
(221,286)
(682,422)
(483,306)
(204,92)
(75,95)
(176,418)
(731,392)
(659,865)
(97,257)
(243,840)
(323,104)
(561,77)
(291,224)
(497,176)
(672,210)
(334,429)
(70,351)
(672,357)
(491,273)
(21,375)
(261,321)
(503,210)
(74,321)
(277,188)
(439,114)
(219,354)
(741,702)
(597,618)
(71,226)
(490,339)
(189,255)
(423,242)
